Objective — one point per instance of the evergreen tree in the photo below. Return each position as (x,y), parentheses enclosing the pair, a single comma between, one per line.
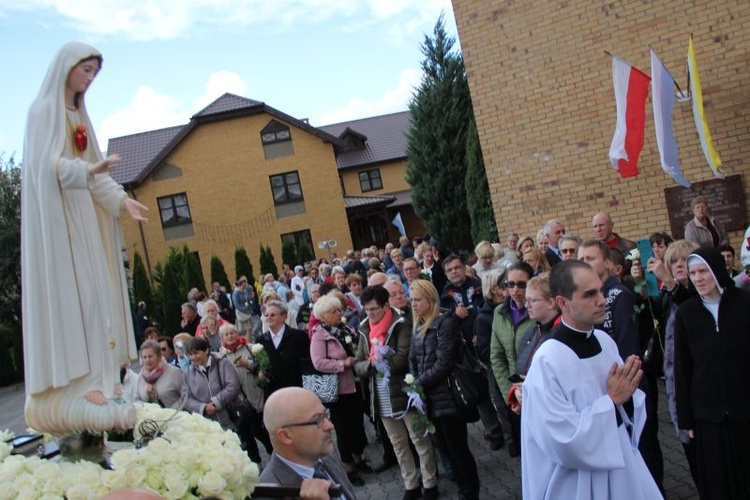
(10,241)
(436,141)
(305,253)
(193,271)
(174,291)
(218,274)
(157,315)
(242,265)
(141,285)
(478,201)
(289,254)
(267,262)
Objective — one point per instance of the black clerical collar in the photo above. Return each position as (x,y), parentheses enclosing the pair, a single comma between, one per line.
(583,343)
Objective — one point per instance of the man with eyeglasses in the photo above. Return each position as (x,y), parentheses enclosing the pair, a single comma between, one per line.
(302,437)
(568,246)
(286,348)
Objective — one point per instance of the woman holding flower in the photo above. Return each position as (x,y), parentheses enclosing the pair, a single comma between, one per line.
(383,358)
(159,382)
(331,351)
(250,427)
(435,345)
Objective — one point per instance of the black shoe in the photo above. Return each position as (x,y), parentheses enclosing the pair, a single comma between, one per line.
(513,450)
(363,467)
(496,444)
(382,467)
(355,478)
(412,494)
(430,493)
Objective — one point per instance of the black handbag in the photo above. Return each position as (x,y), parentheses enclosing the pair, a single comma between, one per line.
(467,383)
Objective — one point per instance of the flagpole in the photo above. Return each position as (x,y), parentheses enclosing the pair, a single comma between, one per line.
(665,68)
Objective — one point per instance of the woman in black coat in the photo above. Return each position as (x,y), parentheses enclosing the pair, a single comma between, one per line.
(712,376)
(434,351)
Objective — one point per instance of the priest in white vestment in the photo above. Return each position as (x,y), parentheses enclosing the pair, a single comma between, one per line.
(76,314)
(582,411)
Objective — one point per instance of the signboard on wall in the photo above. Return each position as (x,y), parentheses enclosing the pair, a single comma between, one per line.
(726,202)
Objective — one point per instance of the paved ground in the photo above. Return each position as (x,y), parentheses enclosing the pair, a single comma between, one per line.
(500,475)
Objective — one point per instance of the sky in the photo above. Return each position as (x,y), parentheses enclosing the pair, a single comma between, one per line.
(164,60)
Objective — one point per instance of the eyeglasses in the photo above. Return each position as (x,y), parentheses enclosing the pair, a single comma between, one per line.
(513,284)
(372,309)
(568,250)
(317,421)
(271,315)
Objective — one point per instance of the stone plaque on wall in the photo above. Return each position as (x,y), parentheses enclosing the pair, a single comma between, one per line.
(726,202)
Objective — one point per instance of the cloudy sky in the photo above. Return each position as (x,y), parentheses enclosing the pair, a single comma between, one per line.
(164,60)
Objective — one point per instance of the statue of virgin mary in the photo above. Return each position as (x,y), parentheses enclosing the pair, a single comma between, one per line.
(76,316)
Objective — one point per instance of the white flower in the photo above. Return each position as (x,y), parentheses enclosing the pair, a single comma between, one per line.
(6,435)
(211,484)
(79,493)
(114,480)
(348,339)
(24,482)
(634,255)
(5,450)
(176,485)
(256,348)
(409,379)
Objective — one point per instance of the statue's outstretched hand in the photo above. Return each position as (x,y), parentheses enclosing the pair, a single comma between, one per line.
(134,209)
(105,165)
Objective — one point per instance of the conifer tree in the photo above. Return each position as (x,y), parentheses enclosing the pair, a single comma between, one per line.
(289,254)
(305,253)
(218,274)
(142,290)
(478,201)
(242,265)
(193,271)
(267,262)
(436,141)
(174,291)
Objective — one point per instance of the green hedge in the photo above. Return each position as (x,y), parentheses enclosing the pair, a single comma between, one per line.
(11,355)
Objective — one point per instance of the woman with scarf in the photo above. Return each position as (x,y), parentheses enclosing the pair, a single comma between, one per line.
(211,385)
(383,358)
(74,343)
(712,376)
(332,351)
(250,425)
(159,382)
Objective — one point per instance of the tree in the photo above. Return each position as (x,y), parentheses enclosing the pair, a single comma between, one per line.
(193,272)
(305,253)
(242,265)
(218,274)
(478,201)
(10,241)
(267,262)
(289,253)
(141,285)
(436,141)
(174,291)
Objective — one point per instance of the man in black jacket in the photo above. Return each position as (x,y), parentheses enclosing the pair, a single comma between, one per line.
(286,348)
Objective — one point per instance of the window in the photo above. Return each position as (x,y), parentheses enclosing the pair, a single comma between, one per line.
(286,188)
(275,132)
(299,238)
(370,180)
(174,210)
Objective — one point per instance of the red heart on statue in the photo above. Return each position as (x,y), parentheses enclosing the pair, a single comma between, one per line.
(81,139)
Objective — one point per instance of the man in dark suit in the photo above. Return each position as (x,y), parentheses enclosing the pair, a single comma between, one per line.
(286,348)
(302,437)
(554,230)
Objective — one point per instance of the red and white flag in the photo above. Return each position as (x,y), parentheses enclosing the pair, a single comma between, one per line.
(631,91)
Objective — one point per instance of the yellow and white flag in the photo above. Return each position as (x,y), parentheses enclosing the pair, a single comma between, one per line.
(699,114)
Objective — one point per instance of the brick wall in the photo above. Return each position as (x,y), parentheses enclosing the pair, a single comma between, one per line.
(226,178)
(541,86)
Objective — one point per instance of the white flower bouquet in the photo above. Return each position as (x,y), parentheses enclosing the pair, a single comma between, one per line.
(192,458)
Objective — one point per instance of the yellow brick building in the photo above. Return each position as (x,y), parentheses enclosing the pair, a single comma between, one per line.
(242,173)
(541,87)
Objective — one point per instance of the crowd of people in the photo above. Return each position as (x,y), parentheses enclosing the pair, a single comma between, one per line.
(388,328)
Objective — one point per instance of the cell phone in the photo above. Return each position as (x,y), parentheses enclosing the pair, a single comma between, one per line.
(515,379)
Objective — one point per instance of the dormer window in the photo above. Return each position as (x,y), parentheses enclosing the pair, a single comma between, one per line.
(277,140)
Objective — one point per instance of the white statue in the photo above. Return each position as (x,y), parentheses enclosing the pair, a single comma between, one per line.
(76,316)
